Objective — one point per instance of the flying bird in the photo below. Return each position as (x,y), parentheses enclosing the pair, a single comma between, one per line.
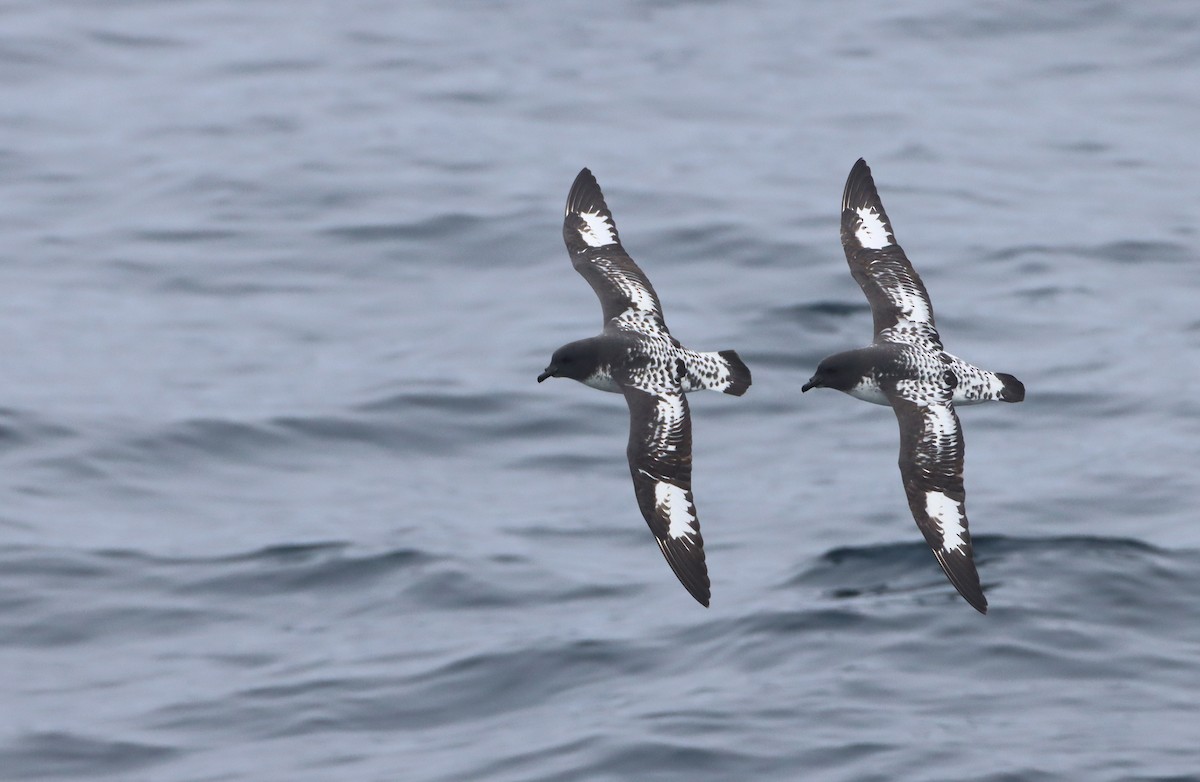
(636,355)
(907,368)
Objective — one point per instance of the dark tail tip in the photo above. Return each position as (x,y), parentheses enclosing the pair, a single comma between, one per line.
(739,373)
(1014,390)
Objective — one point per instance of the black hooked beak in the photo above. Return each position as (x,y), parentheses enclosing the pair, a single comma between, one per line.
(551,371)
(810,384)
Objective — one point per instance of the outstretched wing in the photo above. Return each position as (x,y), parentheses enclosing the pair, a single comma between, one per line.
(660,459)
(931,465)
(627,298)
(899,302)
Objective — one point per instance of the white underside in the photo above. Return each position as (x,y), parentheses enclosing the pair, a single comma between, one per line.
(869,391)
(603,381)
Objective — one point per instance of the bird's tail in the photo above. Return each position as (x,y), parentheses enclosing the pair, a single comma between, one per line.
(720,371)
(1013,391)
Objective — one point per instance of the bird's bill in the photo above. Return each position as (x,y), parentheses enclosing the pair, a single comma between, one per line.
(551,371)
(810,384)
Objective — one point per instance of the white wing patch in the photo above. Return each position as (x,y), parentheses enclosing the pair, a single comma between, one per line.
(673,503)
(642,305)
(670,411)
(871,233)
(941,425)
(948,515)
(639,297)
(913,304)
(598,231)
(915,313)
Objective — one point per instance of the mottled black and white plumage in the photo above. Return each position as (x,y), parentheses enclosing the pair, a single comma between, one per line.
(636,355)
(907,369)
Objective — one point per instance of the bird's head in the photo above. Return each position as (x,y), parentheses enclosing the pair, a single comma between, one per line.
(840,371)
(575,360)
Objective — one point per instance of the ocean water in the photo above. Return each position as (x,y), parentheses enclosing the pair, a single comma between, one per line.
(280,498)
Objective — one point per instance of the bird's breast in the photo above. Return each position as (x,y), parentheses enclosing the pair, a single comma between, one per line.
(868,390)
(602,379)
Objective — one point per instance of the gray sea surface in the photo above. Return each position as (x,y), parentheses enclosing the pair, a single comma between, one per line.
(280,498)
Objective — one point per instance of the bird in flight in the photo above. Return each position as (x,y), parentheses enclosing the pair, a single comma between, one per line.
(635,355)
(907,368)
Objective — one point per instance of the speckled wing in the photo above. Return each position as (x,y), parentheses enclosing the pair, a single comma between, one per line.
(660,460)
(626,296)
(899,303)
(931,466)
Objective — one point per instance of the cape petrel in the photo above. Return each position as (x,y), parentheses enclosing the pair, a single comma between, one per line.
(907,368)
(636,355)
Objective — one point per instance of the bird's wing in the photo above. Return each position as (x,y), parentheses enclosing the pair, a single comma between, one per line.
(899,303)
(627,298)
(931,465)
(660,460)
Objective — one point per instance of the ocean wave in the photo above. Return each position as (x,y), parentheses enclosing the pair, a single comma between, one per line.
(407,424)
(63,755)
(278,570)
(461,690)
(24,428)
(1090,573)
(1127,251)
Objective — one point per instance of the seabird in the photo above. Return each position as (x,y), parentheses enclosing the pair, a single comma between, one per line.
(636,355)
(906,367)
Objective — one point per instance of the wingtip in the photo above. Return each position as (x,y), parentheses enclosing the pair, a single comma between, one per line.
(962,574)
(860,187)
(688,565)
(702,595)
(585,194)
(587,221)
(973,593)
(978,602)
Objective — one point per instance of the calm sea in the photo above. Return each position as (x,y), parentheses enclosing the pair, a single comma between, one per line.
(280,498)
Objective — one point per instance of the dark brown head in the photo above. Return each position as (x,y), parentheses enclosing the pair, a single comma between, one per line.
(574,360)
(841,371)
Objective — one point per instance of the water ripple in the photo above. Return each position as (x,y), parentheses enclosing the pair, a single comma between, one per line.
(54,755)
